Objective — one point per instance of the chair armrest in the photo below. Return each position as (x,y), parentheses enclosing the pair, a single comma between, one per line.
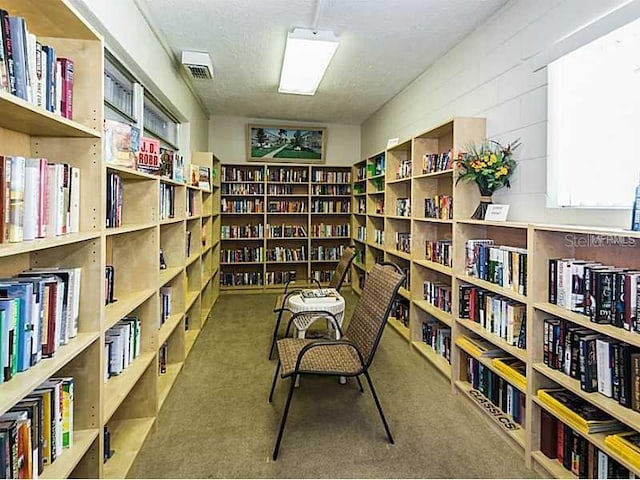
(319,313)
(286,285)
(330,343)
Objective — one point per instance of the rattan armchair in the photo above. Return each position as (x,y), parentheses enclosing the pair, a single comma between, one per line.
(350,356)
(336,282)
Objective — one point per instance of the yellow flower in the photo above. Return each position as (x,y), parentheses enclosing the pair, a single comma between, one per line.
(501,171)
(483,164)
(492,159)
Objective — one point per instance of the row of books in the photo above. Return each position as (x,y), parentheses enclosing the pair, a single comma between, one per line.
(497,390)
(325,176)
(438,337)
(321,252)
(379,206)
(326,230)
(378,236)
(403,207)
(192,203)
(499,315)
(439,207)
(575,453)
(163,355)
(241,206)
(287,175)
(330,189)
(242,231)
(38,199)
(279,278)
(165,303)
(362,206)
(122,345)
(361,233)
(400,310)
(439,251)
(32,71)
(286,231)
(242,255)
(325,276)
(600,363)
(377,165)
(235,174)
(403,242)
(234,279)
(286,206)
(503,265)
(39,312)
(167,201)
(37,430)
(436,162)
(606,294)
(253,189)
(404,169)
(330,206)
(361,173)
(437,294)
(283,254)
(115,200)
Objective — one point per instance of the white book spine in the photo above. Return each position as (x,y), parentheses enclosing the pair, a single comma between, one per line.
(604,369)
(31,198)
(74,206)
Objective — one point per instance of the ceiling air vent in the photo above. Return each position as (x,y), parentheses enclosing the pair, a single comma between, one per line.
(198,64)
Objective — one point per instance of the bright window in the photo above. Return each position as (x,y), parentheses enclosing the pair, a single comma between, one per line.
(594,122)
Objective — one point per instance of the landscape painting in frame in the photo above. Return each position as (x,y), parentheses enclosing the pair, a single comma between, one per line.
(286,144)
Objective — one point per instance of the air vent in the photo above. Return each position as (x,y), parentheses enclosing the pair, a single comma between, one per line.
(198,64)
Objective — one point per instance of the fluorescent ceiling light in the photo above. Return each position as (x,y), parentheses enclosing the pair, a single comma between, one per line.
(306,58)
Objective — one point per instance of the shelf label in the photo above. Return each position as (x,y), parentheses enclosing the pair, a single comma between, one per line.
(497,213)
(392,142)
(504,420)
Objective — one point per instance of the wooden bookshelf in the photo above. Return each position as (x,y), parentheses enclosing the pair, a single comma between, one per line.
(313,208)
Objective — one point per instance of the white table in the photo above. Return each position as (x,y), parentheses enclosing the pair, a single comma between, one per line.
(297,304)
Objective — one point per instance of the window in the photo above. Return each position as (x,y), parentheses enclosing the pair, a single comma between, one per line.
(159,122)
(119,88)
(594,122)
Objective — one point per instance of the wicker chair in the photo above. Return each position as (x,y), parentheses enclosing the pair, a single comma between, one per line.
(350,356)
(336,282)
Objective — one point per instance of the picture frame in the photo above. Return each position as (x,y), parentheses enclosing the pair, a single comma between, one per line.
(286,144)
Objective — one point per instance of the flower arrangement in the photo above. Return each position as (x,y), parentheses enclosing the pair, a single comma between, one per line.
(490,165)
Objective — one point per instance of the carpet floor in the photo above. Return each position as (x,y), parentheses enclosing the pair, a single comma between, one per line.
(216,422)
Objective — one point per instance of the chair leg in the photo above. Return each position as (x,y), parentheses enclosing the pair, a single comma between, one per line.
(274,337)
(275,379)
(276,449)
(375,398)
(360,384)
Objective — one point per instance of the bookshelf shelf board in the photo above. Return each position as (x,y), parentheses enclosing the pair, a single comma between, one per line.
(236,213)
(118,387)
(190,337)
(243,239)
(398,180)
(377,246)
(433,220)
(241,287)
(374,177)
(434,311)
(192,258)
(167,328)
(193,187)
(19,115)
(127,302)
(127,438)
(64,465)
(170,181)
(398,253)
(596,438)
(241,263)
(519,353)
(286,238)
(325,261)
(397,217)
(492,287)
(376,215)
(488,363)
(587,230)
(169,274)
(551,468)
(363,194)
(436,360)
(248,195)
(329,183)
(399,327)
(194,217)
(314,195)
(609,405)
(631,338)
(242,181)
(359,241)
(130,173)
(293,262)
(166,381)
(377,192)
(403,292)
(519,225)
(24,383)
(191,298)
(438,267)
(134,227)
(9,249)
(517,436)
(433,174)
(330,213)
(330,238)
(169,221)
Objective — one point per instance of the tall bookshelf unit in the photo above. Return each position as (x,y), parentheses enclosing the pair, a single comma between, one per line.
(126,404)
(541,243)
(280,222)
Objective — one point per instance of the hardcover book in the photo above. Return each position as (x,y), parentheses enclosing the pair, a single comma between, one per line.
(149,155)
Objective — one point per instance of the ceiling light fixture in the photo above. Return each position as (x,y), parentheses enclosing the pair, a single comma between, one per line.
(306,58)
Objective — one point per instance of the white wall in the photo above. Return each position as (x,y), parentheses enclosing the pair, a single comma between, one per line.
(128,35)
(487,75)
(228,139)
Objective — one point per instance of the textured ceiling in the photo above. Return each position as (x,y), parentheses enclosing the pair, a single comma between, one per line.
(384,45)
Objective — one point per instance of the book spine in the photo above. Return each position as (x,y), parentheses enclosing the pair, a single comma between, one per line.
(67,88)
(8,51)
(19,61)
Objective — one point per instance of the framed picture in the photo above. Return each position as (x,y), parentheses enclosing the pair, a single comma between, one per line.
(274,144)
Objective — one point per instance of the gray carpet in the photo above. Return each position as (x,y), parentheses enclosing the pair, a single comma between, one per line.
(216,421)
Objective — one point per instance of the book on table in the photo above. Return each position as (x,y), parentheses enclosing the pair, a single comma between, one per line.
(324,295)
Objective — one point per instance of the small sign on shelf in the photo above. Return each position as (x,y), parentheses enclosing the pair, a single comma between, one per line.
(392,142)
(497,213)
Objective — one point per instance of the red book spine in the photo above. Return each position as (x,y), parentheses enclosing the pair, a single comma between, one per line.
(66,108)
